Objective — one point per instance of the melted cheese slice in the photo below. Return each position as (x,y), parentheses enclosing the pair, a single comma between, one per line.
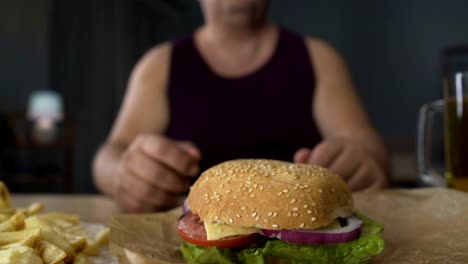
(216,231)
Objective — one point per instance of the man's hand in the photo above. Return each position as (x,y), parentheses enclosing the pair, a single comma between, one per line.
(153,173)
(349,159)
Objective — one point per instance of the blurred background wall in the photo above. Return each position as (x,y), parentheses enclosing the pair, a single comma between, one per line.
(86,49)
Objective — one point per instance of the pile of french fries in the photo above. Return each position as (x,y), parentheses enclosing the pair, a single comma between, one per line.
(27,237)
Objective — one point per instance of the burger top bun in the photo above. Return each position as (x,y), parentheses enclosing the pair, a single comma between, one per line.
(270,194)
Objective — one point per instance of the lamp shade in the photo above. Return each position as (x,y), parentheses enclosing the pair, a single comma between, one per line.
(45,104)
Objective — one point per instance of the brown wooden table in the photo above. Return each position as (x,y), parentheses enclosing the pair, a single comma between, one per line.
(90,208)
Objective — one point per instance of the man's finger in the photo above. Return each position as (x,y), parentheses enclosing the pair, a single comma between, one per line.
(361,179)
(325,153)
(130,204)
(170,154)
(147,194)
(190,148)
(346,164)
(154,173)
(302,155)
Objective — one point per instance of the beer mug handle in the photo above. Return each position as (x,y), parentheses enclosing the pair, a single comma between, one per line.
(427,174)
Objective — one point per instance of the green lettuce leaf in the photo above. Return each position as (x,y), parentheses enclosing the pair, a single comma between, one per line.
(358,251)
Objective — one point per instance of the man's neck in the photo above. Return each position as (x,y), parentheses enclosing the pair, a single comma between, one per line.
(235,35)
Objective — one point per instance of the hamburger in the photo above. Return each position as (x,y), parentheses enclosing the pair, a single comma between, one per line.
(265,211)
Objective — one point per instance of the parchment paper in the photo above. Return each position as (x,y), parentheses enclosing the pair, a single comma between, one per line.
(421,226)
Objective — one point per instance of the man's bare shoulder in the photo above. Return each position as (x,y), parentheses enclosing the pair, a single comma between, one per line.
(157,56)
(320,47)
(153,64)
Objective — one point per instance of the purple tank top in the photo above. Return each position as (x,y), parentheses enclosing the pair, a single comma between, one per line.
(266,114)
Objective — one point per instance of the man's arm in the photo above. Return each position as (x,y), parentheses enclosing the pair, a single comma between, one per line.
(144,110)
(351,146)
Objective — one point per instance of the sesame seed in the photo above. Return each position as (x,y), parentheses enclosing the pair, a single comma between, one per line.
(285,190)
(309,211)
(293,201)
(228,191)
(302,225)
(305,205)
(297,184)
(235,196)
(216,218)
(261,187)
(295,209)
(295,188)
(238,215)
(265,220)
(275,214)
(306,185)
(252,195)
(269,213)
(243,208)
(256,218)
(280,193)
(274,225)
(255,185)
(289,214)
(254,214)
(294,214)
(313,219)
(250,190)
(231,220)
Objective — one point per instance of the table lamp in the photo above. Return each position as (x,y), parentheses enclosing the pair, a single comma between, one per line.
(45,110)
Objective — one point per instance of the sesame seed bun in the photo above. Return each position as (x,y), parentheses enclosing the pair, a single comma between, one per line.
(270,194)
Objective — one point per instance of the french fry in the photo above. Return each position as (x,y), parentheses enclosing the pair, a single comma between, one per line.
(34,209)
(81,259)
(50,236)
(4,196)
(20,255)
(15,222)
(102,238)
(50,253)
(6,213)
(79,243)
(27,237)
(61,218)
(15,236)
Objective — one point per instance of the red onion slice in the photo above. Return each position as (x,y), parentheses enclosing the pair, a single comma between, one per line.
(185,207)
(316,237)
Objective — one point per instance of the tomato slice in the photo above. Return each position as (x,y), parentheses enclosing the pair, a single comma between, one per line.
(192,230)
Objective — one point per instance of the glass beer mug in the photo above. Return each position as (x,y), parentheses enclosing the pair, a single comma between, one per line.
(454,106)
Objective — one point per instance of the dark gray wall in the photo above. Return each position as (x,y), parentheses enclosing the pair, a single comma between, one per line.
(23,50)
(392,48)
